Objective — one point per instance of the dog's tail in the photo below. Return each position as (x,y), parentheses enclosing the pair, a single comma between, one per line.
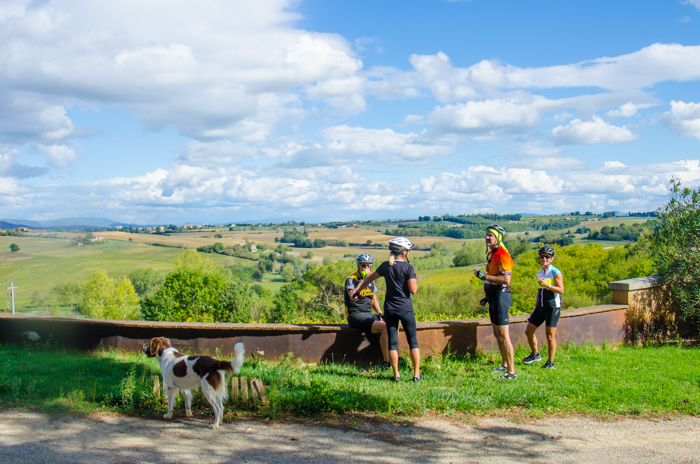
(239,351)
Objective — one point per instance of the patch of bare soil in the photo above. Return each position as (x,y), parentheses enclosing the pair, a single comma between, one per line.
(9,257)
(38,437)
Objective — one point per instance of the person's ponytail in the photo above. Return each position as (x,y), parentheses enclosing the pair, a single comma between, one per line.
(391,259)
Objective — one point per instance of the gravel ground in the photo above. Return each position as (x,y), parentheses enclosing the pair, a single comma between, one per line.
(28,437)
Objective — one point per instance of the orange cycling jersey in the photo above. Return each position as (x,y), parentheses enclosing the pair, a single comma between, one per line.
(500,263)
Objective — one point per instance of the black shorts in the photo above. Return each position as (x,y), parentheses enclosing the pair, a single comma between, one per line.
(362,321)
(548,314)
(408,322)
(499,304)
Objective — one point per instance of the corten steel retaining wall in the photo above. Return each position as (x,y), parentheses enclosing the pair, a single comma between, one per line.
(333,342)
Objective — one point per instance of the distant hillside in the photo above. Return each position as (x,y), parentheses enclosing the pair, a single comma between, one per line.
(65,223)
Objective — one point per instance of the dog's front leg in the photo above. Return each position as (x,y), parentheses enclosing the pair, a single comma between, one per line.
(188,402)
(172,397)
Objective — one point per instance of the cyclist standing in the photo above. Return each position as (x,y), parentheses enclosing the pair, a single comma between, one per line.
(401,284)
(497,290)
(547,307)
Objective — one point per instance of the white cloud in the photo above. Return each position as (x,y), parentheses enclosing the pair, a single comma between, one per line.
(638,70)
(591,132)
(489,119)
(10,187)
(683,118)
(171,66)
(695,3)
(58,156)
(356,146)
(625,111)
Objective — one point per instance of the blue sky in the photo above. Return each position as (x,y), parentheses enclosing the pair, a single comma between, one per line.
(167,112)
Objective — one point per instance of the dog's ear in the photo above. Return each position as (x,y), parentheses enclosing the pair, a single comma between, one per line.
(154,347)
(163,344)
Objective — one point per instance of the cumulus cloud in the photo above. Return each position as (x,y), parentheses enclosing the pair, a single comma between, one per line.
(683,118)
(489,119)
(169,64)
(591,132)
(361,146)
(627,110)
(484,188)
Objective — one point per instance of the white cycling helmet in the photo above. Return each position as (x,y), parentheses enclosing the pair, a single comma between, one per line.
(400,244)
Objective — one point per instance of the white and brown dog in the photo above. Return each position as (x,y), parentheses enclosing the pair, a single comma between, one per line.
(187,373)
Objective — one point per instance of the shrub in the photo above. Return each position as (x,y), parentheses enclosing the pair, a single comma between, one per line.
(674,247)
(145,281)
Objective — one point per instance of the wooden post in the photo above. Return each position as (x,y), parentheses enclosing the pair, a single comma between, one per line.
(261,390)
(234,388)
(244,388)
(156,384)
(253,389)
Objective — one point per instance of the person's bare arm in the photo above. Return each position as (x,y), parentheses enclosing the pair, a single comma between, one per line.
(503,279)
(375,304)
(367,280)
(412,286)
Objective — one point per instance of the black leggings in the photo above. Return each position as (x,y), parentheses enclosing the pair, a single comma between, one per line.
(408,322)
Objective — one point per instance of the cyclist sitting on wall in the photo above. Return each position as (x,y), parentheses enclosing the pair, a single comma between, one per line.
(359,311)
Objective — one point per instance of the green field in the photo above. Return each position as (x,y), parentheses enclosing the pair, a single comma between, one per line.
(43,263)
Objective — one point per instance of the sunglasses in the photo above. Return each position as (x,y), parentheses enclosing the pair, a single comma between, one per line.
(368,266)
(545,257)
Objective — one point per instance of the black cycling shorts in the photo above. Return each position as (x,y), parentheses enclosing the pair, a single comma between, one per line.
(362,321)
(499,305)
(408,322)
(548,314)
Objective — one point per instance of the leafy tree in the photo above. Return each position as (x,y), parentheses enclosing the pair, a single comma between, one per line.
(39,299)
(236,302)
(196,291)
(330,282)
(674,247)
(218,236)
(517,246)
(190,293)
(14,248)
(69,293)
(469,254)
(286,304)
(309,255)
(327,260)
(145,281)
(106,298)
(289,272)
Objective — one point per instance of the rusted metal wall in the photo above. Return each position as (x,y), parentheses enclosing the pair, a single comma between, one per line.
(313,343)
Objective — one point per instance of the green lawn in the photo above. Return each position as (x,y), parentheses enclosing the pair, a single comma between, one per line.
(603,381)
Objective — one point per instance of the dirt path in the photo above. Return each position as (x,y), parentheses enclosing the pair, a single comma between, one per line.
(27,437)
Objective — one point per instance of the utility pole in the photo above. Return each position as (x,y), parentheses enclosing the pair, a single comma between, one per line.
(12,288)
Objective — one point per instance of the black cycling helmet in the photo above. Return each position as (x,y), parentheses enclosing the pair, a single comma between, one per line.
(400,244)
(364,258)
(547,250)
